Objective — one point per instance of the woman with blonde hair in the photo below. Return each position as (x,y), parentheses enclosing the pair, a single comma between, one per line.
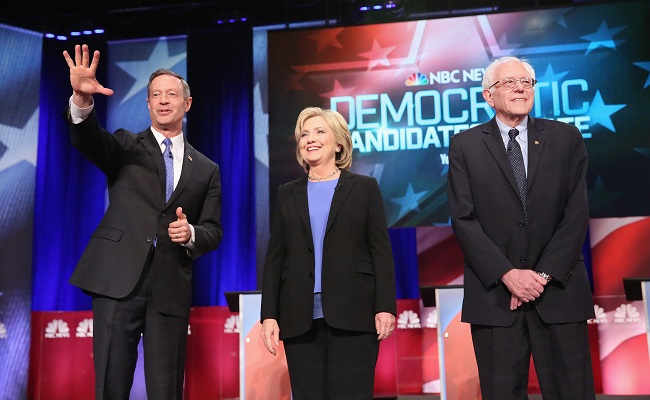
(329,279)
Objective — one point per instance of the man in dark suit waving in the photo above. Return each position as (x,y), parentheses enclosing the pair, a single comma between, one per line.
(519,210)
(164,210)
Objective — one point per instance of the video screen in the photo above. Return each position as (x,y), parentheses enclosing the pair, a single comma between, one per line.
(406,87)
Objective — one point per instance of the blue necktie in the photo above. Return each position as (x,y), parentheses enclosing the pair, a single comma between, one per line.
(517,163)
(169,167)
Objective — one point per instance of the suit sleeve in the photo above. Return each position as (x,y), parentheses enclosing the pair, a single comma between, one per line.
(565,246)
(482,255)
(381,252)
(97,144)
(208,229)
(275,254)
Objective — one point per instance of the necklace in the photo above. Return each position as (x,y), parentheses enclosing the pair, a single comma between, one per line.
(325,177)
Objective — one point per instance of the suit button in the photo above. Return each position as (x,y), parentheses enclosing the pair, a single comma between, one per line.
(310,250)
(162,215)
(311,274)
(522,259)
(522,223)
(149,239)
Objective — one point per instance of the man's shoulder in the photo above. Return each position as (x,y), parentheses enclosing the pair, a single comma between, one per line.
(557,130)
(198,157)
(474,132)
(551,124)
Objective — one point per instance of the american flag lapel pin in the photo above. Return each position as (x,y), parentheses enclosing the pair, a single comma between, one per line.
(190,158)
(536,142)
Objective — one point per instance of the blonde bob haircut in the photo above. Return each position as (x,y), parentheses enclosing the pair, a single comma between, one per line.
(339,126)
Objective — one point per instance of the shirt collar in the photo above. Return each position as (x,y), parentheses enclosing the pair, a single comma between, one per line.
(522,128)
(177,141)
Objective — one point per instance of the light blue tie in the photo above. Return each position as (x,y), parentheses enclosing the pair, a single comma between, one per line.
(169,167)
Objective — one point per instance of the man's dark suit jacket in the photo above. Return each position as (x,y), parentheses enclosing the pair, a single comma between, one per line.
(137,213)
(358,275)
(488,220)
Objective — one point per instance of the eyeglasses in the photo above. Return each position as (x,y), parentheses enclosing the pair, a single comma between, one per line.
(509,83)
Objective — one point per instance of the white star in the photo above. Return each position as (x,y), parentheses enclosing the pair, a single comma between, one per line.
(410,201)
(21,143)
(140,70)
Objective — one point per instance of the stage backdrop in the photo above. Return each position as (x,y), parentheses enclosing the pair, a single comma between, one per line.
(406,87)
(20,71)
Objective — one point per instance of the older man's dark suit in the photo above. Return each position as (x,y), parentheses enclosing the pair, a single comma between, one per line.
(113,262)
(495,236)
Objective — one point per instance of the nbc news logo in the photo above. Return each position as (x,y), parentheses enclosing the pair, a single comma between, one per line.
(3,331)
(626,313)
(416,79)
(601,316)
(408,320)
(57,329)
(85,328)
(432,319)
(232,324)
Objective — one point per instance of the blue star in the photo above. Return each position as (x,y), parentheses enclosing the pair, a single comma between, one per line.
(601,196)
(140,70)
(410,201)
(602,37)
(558,16)
(644,151)
(550,75)
(21,143)
(444,170)
(645,65)
(600,113)
(503,43)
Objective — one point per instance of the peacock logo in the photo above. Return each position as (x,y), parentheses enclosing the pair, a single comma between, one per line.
(417,79)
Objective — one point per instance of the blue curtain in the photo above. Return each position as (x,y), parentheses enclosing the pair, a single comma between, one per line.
(220,74)
(405,254)
(70,192)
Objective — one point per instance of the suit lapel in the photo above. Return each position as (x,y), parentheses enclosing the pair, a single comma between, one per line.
(344,187)
(186,171)
(495,145)
(300,194)
(346,182)
(148,140)
(153,148)
(536,140)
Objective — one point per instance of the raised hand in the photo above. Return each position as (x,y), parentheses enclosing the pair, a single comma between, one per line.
(83,76)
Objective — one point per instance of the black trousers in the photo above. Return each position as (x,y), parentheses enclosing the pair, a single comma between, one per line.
(326,363)
(117,328)
(560,353)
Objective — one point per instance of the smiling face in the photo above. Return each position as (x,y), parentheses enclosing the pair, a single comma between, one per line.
(511,105)
(167,105)
(317,144)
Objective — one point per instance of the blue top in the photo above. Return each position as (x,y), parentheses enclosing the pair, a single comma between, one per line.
(319,198)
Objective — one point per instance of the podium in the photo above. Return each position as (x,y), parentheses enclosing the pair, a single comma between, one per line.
(261,375)
(639,289)
(457,363)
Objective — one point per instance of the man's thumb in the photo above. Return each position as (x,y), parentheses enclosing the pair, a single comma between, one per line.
(179,213)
